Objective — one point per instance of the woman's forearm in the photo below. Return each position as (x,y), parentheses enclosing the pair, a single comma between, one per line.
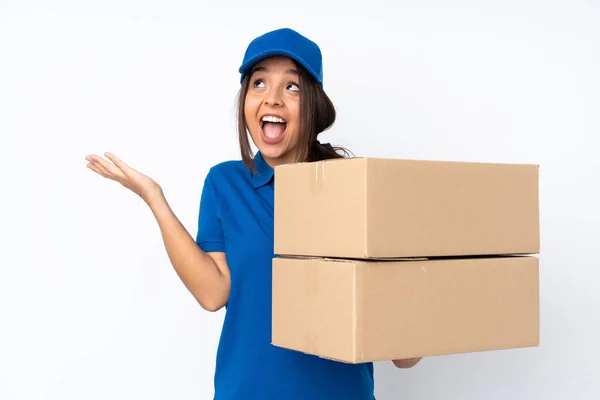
(205,275)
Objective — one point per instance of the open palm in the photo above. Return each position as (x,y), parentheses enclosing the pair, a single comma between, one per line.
(118,171)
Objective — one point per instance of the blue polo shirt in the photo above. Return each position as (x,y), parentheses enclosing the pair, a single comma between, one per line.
(236,217)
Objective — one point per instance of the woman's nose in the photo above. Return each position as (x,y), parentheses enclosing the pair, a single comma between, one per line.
(273,97)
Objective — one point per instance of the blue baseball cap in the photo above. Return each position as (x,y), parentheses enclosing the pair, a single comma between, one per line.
(284,42)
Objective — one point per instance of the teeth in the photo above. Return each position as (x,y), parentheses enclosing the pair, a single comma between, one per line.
(269,118)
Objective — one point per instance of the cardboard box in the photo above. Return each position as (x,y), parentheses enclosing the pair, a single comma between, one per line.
(360,311)
(389,208)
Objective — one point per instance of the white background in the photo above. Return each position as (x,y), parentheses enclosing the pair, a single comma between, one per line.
(90,307)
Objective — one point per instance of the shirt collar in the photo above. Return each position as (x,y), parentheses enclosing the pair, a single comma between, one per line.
(264,173)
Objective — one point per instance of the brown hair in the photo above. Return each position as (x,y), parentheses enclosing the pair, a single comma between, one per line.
(317,114)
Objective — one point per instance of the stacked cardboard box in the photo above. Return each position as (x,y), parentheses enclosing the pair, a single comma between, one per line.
(382,259)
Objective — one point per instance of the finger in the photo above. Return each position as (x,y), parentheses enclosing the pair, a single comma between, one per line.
(109,171)
(106,166)
(120,164)
(100,164)
(97,170)
(106,172)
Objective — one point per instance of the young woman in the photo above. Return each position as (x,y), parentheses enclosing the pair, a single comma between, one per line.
(283,107)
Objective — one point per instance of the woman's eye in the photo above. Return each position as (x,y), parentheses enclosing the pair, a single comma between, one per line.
(259,83)
(294,87)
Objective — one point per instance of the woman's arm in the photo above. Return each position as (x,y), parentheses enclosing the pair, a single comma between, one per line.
(205,275)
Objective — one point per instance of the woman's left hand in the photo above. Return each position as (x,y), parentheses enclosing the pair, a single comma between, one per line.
(406,362)
(120,172)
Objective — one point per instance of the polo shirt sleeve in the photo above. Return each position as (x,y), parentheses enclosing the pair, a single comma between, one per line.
(210,231)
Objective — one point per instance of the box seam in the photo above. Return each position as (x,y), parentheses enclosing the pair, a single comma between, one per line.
(366,209)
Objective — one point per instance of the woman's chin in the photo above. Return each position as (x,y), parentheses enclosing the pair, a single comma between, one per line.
(271,151)
(278,154)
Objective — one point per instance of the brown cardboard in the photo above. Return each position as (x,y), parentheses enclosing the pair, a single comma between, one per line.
(389,208)
(360,311)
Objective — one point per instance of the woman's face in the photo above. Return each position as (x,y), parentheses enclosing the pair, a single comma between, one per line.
(271,109)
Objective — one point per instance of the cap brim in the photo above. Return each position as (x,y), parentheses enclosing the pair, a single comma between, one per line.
(245,68)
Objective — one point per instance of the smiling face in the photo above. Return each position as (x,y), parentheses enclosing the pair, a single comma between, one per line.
(272,108)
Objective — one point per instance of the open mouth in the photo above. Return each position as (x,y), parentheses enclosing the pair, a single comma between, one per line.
(272,128)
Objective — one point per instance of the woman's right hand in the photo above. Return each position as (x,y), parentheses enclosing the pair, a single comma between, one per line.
(118,171)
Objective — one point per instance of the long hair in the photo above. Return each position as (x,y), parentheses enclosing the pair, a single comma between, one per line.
(316,115)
